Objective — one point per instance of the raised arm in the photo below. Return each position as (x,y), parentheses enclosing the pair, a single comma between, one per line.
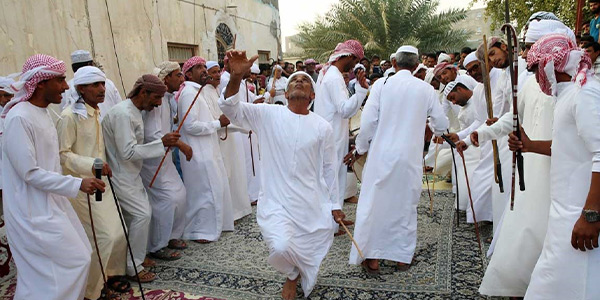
(345,106)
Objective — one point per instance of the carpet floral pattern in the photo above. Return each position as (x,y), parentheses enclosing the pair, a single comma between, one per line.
(447,264)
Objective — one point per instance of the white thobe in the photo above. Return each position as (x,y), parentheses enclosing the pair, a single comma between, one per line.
(205,178)
(392,132)
(232,151)
(563,272)
(47,241)
(279,87)
(487,199)
(294,208)
(1,131)
(519,240)
(123,130)
(81,141)
(336,107)
(167,194)
(224,80)
(253,157)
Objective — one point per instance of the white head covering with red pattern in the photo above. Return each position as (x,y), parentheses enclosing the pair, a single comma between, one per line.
(36,69)
(557,53)
(347,48)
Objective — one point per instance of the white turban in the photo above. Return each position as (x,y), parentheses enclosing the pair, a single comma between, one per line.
(449,87)
(88,75)
(314,86)
(389,71)
(165,68)
(255,69)
(408,49)
(79,56)
(469,59)
(359,66)
(392,56)
(443,58)
(6,84)
(538,29)
(211,64)
(421,66)
(429,75)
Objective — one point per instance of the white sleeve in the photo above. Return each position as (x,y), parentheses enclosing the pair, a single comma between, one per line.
(21,155)
(192,124)
(128,149)
(246,115)
(345,106)
(587,118)
(438,121)
(369,120)
(504,125)
(330,168)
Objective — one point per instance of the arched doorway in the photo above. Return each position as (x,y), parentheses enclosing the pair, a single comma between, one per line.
(224,41)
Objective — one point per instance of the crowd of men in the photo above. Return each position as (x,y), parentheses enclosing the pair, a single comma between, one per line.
(233,147)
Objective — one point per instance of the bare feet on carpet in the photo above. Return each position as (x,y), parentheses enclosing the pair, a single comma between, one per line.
(177,244)
(145,276)
(148,262)
(402,267)
(166,254)
(352,199)
(289,289)
(203,241)
(371,266)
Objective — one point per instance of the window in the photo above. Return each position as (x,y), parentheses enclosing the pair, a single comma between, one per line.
(264,56)
(225,41)
(181,52)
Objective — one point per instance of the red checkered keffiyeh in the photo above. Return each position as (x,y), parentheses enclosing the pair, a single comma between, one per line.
(36,69)
(443,66)
(347,48)
(190,63)
(557,52)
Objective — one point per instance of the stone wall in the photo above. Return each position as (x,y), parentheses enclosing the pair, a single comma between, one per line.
(128,38)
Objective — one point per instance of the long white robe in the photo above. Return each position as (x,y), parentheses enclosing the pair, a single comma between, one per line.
(391,131)
(279,87)
(123,130)
(563,272)
(519,240)
(205,178)
(234,159)
(253,157)
(336,107)
(47,241)
(294,208)
(81,141)
(469,119)
(487,199)
(167,194)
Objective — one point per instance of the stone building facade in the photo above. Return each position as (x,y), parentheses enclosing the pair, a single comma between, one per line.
(129,38)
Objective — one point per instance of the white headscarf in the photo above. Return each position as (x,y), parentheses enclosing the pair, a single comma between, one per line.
(471,57)
(443,58)
(298,73)
(6,83)
(538,29)
(421,66)
(84,75)
(165,68)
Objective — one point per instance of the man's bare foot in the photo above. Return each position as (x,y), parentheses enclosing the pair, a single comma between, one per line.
(402,267)
(148,262)
(371,266)
(289,289)
(352,199)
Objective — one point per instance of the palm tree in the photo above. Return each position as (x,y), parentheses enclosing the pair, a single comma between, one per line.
(382,26)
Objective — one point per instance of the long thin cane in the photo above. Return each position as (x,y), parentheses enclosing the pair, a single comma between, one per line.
(178,128)
(457,189)
(428,191)
(472,209)
(352,239)
(96,243)
(137,276)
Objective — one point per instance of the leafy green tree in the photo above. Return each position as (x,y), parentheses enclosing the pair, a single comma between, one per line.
(521,10)
(382,26)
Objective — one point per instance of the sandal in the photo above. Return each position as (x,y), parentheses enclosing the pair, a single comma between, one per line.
(402,267)
(145,276)
(177,244)
(166,254)
(368,269)
(203,241)
(119,284)
(148,263)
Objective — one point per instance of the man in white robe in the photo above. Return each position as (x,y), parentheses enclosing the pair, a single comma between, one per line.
(6,94)
(334,103)
(123,129)
(47,241)
(167,194)
(82,58)
(251,147)
(296,206)
(568,270)
(81,141)
(231,145)
(519,240)
(392,133)
(209,209)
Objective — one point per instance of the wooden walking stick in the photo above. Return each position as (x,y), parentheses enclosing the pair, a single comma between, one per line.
(473,209)
(433,183)
(490,111)
(513,43)
(352,239)
(178,129)
(428,191)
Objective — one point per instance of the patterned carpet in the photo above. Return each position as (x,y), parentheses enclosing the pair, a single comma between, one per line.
(448,264)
